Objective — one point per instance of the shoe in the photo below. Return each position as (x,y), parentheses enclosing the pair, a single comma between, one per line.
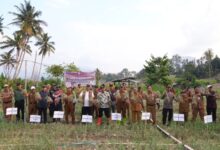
(99,121)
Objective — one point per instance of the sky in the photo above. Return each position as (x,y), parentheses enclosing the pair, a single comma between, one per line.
(116,34)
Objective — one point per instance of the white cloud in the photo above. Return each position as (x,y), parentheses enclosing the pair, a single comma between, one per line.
(197,22)
(113,47)
(170,27)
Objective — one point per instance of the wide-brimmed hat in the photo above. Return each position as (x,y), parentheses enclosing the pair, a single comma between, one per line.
(209,86)
(5,85)
(33,87)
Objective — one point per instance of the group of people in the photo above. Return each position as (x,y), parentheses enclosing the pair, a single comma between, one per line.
(107,99)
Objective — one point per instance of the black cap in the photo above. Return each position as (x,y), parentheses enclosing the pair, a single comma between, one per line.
(18,84)
(103,86)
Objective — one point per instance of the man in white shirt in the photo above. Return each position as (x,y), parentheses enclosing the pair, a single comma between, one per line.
(86,97)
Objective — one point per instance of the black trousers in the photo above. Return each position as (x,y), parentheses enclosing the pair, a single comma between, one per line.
(43,113)
(51,109)
(167,112)
(212,111)
(87,111)
(20,106)
(106,111)
(113,107)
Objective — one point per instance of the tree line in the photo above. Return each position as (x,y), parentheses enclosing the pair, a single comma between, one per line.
(19,44)
(207,66)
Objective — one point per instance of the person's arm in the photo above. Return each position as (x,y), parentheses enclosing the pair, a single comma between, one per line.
(93,96)
(1,97)
(25,97)
(98,98)
(175,97)
(81,97)
(157,99)
(163,95)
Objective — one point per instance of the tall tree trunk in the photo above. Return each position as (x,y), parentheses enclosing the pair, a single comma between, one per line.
(19,69)
(17,64)
(38,77)
(26,40)
(210,69)
(32,75)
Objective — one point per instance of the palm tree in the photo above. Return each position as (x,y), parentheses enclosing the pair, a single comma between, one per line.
(209,56)
(7,60)
(46,47)
(13,44)
(29,25)
(16,44)
(1,25)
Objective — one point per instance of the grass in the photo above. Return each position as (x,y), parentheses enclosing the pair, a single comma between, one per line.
(60,136)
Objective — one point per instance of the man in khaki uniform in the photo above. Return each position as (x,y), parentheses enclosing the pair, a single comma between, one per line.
(136,104)
(33,98)
(69,104)
(79,89)
(6,96)
(151,102)
(184,102)
(122,98)
(198,105)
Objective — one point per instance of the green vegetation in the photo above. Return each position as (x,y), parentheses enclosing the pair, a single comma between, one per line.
(157,70)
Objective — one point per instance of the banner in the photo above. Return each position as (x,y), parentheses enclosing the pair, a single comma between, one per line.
(178,117)
(11,111)
(35,118)
(145,116)
(58,114)
(208,119)
(86,119)
(116,116)
(75,78)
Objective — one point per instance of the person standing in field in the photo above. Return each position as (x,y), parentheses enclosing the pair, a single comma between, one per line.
(58,99)
(136,99)
(33,98)
(20,97)
(141,95)
(42,104)
(112,92)
(51,91)
(198,104)
(122,98)
(151,102)
(58,106)
(211,105)
(168,98)
(104,102)
(69,104)
(6,97)
(87,99)
(184,103)
(95,109)
(79,90)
